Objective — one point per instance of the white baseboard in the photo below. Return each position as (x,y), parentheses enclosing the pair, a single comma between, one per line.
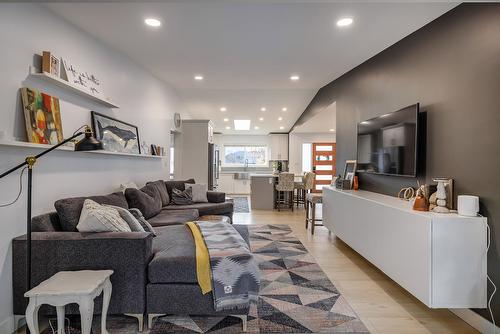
(7,325)
(475,320)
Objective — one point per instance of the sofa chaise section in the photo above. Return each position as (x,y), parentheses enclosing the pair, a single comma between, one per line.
(126,253)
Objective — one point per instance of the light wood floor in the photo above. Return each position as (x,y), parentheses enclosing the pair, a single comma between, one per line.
(382,305)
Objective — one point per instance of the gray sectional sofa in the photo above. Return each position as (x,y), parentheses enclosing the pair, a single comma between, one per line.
(152,274)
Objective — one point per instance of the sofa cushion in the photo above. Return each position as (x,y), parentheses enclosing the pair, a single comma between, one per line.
(205,208)
(174,217)
(181,185)
(162,189)
(101,218)
(69,209)
(174,259)
(147,200)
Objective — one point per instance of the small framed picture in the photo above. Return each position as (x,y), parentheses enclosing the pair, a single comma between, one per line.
(350,171)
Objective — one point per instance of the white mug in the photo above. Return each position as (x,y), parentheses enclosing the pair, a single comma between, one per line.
(468,205)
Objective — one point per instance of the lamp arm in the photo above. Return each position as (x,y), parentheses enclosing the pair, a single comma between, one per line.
(13,169)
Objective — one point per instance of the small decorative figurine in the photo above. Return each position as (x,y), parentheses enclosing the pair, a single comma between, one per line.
(441,197)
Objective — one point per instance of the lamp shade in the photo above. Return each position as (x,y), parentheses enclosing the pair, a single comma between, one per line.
(89,142)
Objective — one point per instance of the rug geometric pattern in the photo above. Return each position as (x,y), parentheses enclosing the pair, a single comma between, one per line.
(296,296)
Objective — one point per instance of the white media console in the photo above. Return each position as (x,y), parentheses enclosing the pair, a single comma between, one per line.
(439,258)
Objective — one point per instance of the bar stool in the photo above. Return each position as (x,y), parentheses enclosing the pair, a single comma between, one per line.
(304,187)
(311,200)
(285,187)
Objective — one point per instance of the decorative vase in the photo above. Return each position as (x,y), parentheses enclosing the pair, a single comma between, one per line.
(420,203)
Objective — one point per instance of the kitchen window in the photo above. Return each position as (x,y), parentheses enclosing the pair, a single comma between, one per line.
(243,155)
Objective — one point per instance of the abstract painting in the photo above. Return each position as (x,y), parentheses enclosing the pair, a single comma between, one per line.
(115,135)
(42,115)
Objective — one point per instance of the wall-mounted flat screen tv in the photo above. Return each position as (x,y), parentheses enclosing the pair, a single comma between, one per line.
(388,144)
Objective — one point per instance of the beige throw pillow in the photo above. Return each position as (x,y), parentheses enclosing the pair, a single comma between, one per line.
(199,192)
(98,218)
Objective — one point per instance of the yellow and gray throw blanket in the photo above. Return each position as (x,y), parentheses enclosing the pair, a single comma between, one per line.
(225,265)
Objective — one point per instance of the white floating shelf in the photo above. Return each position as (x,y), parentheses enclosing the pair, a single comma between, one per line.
(14,143)
(59,82)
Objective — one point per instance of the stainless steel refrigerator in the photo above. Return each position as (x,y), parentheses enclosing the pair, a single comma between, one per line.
(213,166)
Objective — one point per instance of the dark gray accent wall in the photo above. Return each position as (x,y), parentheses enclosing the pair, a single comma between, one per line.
(452,68)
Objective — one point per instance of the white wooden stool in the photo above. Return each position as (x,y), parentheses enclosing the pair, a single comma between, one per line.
(65,287)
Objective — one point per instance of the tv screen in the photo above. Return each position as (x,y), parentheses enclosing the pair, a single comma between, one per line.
(388,144)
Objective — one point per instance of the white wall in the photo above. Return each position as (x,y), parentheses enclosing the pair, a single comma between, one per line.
(295,143)
(26,29)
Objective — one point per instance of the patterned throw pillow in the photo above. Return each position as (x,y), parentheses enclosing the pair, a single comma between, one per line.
(99,218)
(144,223)
(199,192)
(132,222)
(180,197)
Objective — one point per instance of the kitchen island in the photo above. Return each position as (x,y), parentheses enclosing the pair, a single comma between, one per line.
(262,191)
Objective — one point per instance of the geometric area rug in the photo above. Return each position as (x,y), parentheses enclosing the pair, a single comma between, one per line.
(296,296)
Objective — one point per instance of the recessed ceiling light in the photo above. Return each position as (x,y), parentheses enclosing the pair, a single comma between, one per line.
(332,130)
(242,124)
(294,77)
(282,127)
(344,22)
(256,127)
(261,119)
(263,109)
(223,108)
(226,119)
(280,118)
(284,109)
(228,128)
(152,22)
(198,77)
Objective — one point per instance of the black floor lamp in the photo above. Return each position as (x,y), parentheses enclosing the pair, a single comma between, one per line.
(88,143)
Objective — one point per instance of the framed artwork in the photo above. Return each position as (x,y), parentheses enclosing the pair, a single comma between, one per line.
(116,135)
(42,116)
(349,171)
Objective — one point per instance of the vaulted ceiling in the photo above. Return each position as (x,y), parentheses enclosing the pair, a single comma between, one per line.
(246,51)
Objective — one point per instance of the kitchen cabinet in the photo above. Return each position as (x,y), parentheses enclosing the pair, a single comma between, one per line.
(241,187)
(226,183)
(278,146)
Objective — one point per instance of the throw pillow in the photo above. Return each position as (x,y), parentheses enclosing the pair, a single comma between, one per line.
(99,218)
(144,223)
(162,189)
(129,218)
(177,185)
(69,209)
(127,185)
(147,200)
(199,192)
(182,197)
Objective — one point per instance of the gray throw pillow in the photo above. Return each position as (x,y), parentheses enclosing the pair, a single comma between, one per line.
(199,192)
(182,197)
(144,223)
(129,218)
(147,200)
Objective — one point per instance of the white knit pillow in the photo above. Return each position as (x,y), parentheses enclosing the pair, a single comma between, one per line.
(98,218)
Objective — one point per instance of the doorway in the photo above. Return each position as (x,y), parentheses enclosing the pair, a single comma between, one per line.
(323,164)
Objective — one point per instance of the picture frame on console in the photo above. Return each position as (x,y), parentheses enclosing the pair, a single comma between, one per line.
(349,172)
(116,135)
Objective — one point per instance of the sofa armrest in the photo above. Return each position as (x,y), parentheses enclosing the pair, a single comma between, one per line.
(216,196)
(126,253)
